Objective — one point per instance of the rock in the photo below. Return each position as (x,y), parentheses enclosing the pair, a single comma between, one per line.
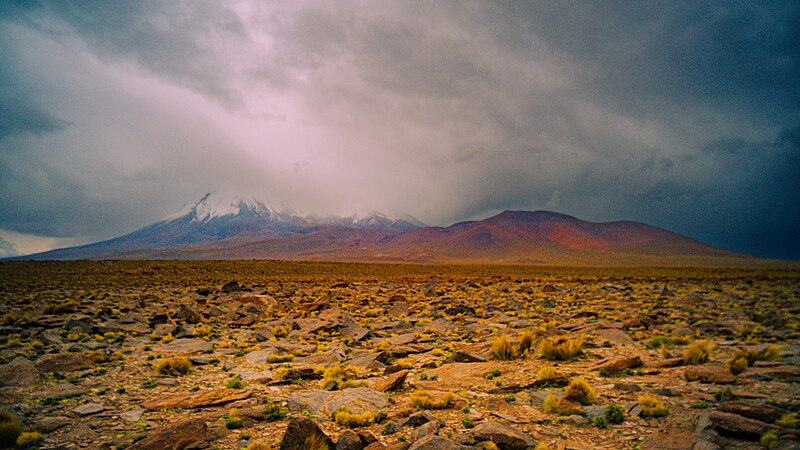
(132,416)
(429,429)
(466,357)
(788,371)
(393,382)
(437,443)
(312,402)
(763,413)
(506,437)
(299,431)
(666,363)
(614,335)
(368,360)
(64,362)
(48,424)
(574,420)
(187,346)
(418,419)
(619,366)
(328,358)
(231,286)
(739,425)
(669,440)
(375,446)
(349,440)
(358,400)
(200,399)
(164,329)
(178,436)
(88,409)
(188,315)
(709,374)
(19,372)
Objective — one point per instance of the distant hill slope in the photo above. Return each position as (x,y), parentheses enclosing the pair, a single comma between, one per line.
(251,229)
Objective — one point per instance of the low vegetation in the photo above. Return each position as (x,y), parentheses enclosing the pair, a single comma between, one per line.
(560,406)
(698,352)
(502,349)
(560,349)
(174,366)
(653,406)
(580,391)
(423,399)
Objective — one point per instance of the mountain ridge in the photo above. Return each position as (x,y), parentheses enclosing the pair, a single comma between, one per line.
(215,228)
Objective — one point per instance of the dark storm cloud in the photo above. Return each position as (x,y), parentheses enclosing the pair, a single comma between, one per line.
(680,114)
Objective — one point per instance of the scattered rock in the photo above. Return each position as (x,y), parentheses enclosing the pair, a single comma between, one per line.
(187,346)
(349,440)
(619,366)
(739,425)
(393,382)
(88,409)
(200,399)
(709,374)
(437,443)
(182,435)
(19,372)
(64,362)
(466,357)
(506,437)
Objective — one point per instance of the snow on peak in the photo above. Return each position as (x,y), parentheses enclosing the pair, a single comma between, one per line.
(215,204)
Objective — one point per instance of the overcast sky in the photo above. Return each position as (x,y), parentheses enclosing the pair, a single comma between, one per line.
(684,115)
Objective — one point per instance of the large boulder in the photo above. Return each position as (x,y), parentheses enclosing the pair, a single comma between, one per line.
(19,372)
(302,432)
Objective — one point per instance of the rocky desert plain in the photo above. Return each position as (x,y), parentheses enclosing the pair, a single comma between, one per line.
(303,355)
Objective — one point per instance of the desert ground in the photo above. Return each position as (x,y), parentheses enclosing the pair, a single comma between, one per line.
(267,354)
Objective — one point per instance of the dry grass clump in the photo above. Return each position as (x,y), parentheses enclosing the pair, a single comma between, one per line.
(653,406)
(423,399)
(560,349)
(340,377)
(561,406)
(345,418)
(174,366)
(316,442)
(502,349)
(282,331)
(258,446)
(743,359)
(580,391)
(275,358)
(549,372)
(698,352)
(29,439)
(789,420)
(10,428)
(526,340)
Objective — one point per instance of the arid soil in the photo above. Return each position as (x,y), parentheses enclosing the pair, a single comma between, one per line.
(304,355)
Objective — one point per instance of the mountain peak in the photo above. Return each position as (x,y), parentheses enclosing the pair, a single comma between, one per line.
(219,204)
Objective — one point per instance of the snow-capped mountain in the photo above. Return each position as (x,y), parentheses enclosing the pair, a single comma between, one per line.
(224,217)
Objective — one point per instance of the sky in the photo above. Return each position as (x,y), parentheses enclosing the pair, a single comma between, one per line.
(683,115)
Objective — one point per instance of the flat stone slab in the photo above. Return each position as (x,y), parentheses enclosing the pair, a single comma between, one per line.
(709,374)
(200,399)
(357,400)
(504,436)
(64,362)
(178,436)
(88,409)
(187,346)
(19,372)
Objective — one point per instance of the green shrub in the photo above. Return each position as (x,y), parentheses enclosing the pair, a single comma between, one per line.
(600,422)
(770,439)
(234,382)
(614,413)
(274,411)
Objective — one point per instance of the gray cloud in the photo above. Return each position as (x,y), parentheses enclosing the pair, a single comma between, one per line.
(680,114)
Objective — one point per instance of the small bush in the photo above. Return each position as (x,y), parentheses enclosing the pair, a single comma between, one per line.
(422,399)
(542,446)
(10,429)
(743,359)
(234,382)
(614,413)
(502,349)
(29,439)
(561,406)
(659,341)
(345,418)
(174,366)
(258,446)
(388,429)
(275,358)
(653,406)
(549,372)
(339,377)
(233,421)
(282,331)
(467,422)
(560,349)
(600,422)
(274,411)
(698,352)
(737,364)
(580,391)
(770,439)
(789,420)
(526,340)
(316,442)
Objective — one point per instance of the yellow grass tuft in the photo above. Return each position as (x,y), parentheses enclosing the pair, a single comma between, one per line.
(580,391)
(698,352)
(502,349)
(560,349)
(422,399)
